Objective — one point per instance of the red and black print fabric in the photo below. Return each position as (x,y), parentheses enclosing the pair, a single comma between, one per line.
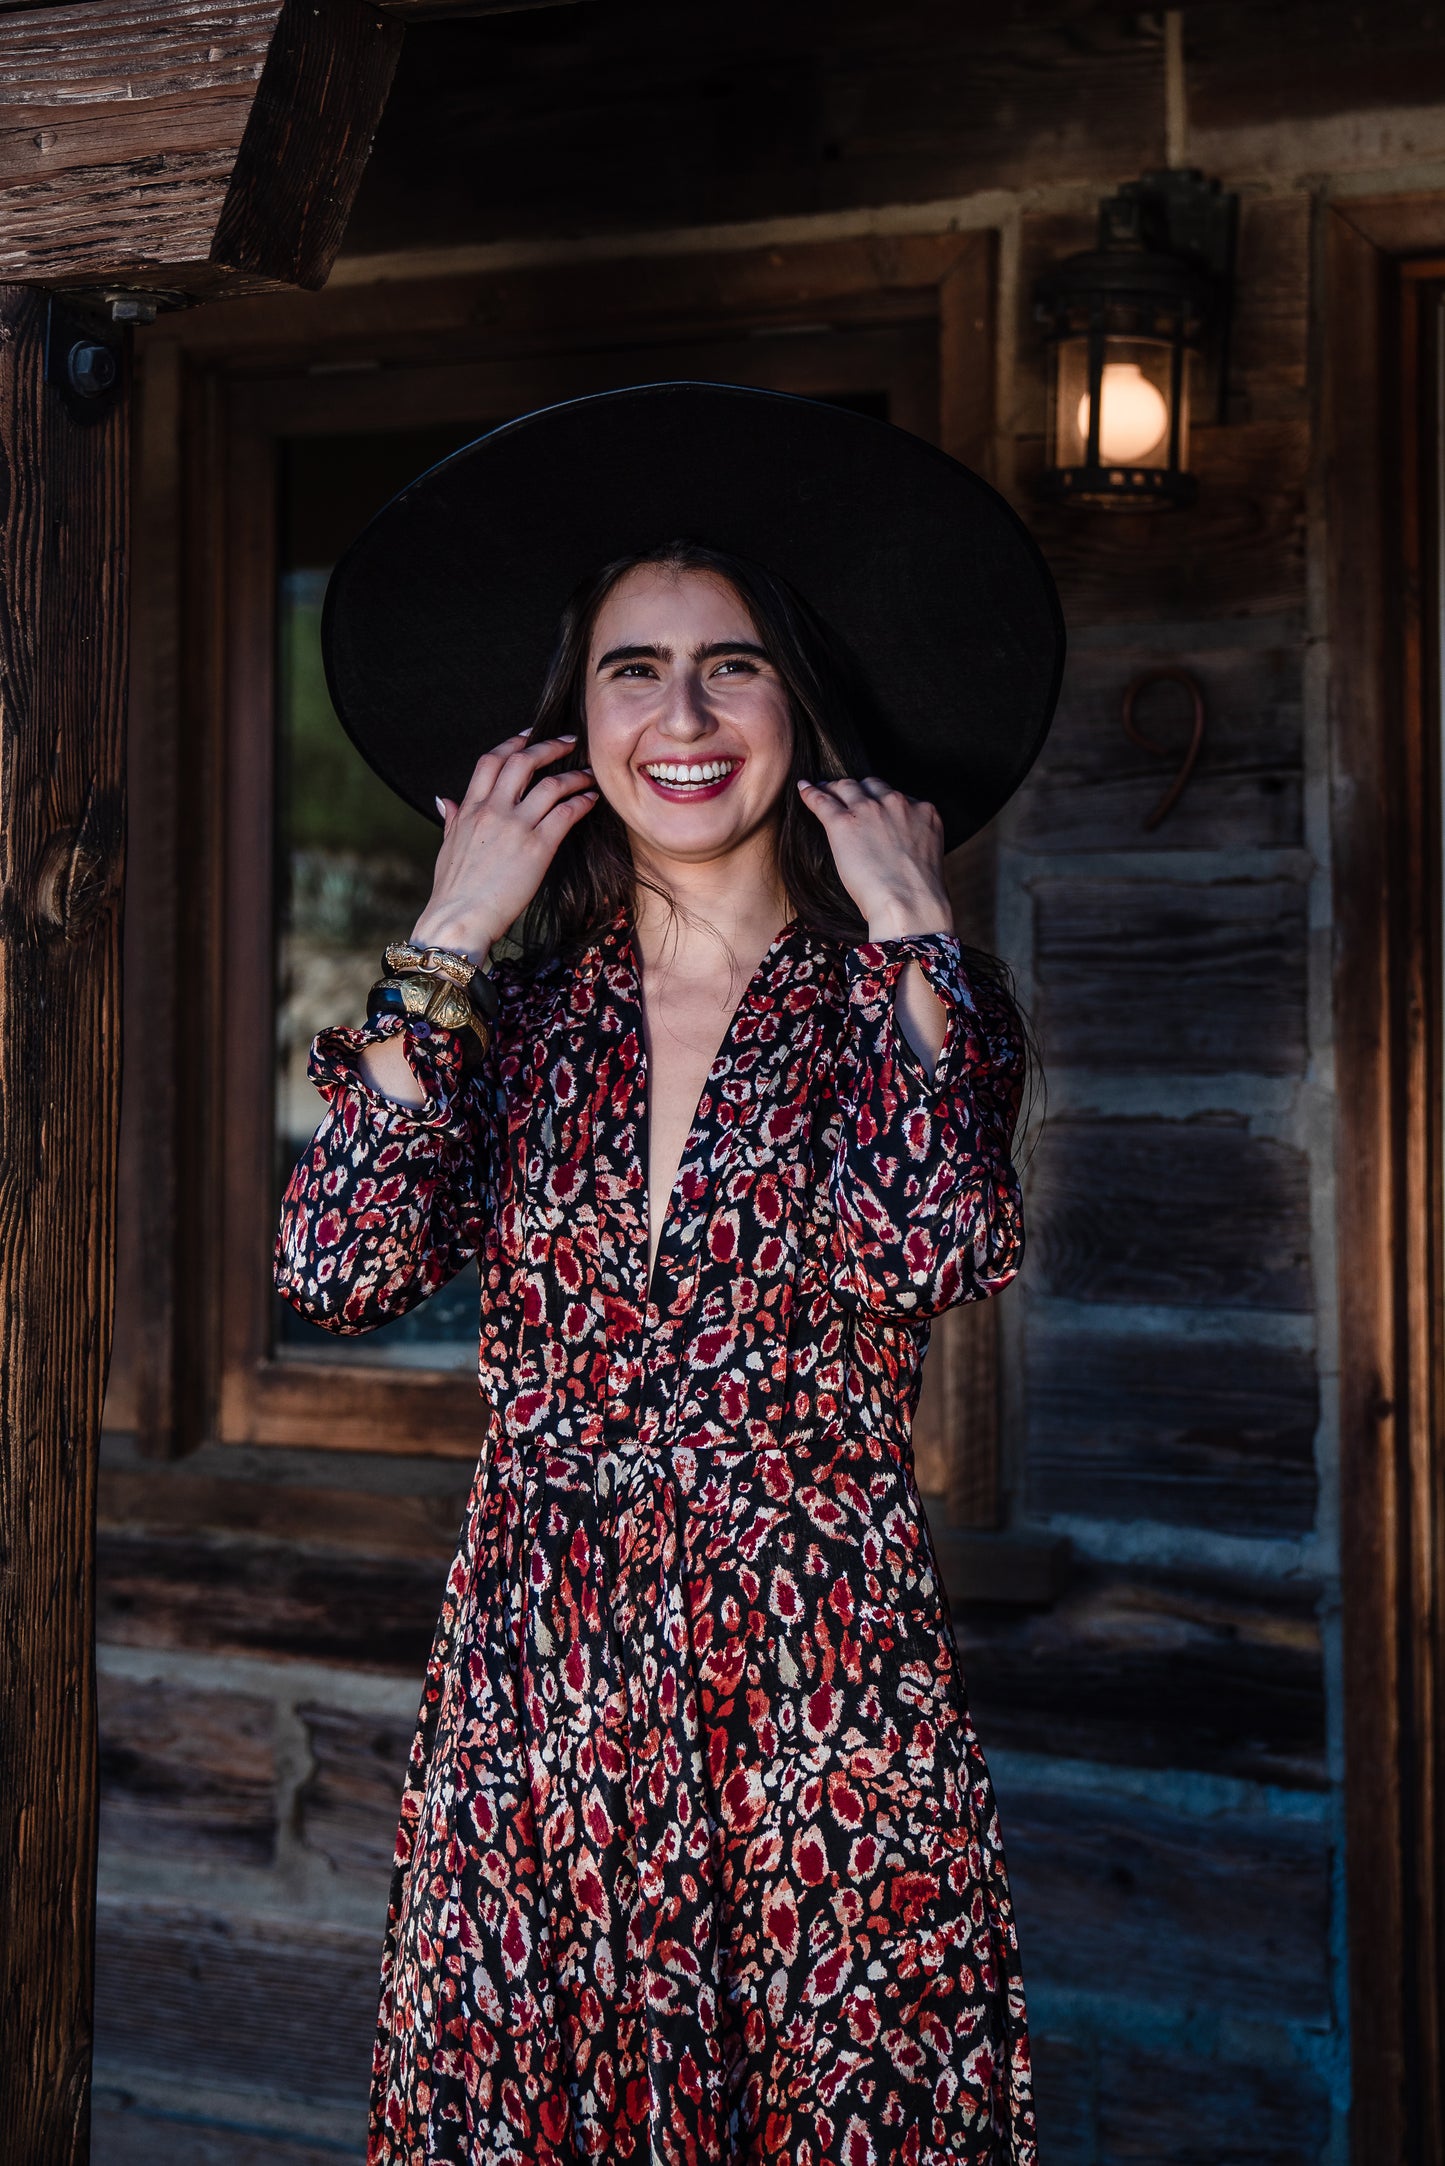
(699,1859)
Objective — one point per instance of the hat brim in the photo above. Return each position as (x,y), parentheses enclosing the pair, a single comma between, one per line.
(441,618)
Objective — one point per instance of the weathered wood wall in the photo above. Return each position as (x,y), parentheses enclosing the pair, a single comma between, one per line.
(1165,1734)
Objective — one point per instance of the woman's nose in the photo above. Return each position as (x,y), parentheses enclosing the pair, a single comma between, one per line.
(686,714)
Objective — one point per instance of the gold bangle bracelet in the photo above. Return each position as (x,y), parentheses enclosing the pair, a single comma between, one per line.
(436,1000)
(442,962)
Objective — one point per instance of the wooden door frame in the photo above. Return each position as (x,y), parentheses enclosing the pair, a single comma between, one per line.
(1385,845)
(210,396)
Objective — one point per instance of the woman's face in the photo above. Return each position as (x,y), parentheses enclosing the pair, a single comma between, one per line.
(688,729)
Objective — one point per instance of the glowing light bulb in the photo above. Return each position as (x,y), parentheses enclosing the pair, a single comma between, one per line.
(1134,417)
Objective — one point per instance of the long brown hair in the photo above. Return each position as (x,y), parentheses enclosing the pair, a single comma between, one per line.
(592,875)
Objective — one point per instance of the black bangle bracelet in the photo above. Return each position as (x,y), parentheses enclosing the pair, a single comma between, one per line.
(384,1000)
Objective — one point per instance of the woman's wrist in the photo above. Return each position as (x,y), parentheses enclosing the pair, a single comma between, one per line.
(460,936)
(911,920)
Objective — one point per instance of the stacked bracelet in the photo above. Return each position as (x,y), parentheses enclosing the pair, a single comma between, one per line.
(438,985)
(402,958)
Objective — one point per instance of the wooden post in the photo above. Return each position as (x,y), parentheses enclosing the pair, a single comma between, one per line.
(63,474)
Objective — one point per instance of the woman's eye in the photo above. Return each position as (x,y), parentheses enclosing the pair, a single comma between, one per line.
(748,669)
(635,669)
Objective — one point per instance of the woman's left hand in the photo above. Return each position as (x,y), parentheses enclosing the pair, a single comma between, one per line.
(888,849)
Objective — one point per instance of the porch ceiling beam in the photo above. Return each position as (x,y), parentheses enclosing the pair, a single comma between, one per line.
(186,147)
(415,11)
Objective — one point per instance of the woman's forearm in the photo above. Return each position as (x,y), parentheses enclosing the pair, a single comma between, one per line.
(386,1069)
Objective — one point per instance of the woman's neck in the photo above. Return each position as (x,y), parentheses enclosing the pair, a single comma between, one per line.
(737,902)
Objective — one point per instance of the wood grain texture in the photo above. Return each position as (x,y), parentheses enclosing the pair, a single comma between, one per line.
(238,2003)
(307,140)
(424,1526)
(1224,1917)
(185,1773)
(956,1431)
(1374,1554)
(216,148)
(1198,1213)
(139,1390)
(635,116)
(410,11)
(63,534)
(1136,2104)
(127,2134)
(1155,2106)
(349,1805)
(873,279)
(1307,59)
(267,1598)
(1156,1669)
(1094,790)
(1190,1432)
(1239,551)
(1381,392)
(1172,977)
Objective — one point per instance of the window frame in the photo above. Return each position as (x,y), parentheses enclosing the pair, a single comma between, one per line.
(193,1361)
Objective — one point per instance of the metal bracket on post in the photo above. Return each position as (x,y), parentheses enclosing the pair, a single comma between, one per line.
(84,357)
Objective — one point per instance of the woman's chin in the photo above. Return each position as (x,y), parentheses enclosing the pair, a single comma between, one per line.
(693,834)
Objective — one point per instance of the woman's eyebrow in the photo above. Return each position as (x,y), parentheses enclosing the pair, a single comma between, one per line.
(632,654)
(709,653)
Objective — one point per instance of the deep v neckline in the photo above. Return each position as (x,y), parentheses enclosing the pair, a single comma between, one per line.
(642,1144)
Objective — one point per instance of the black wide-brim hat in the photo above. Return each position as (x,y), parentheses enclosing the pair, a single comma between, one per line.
(441,618)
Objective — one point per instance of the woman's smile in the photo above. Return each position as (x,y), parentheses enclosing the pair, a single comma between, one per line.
(682,780)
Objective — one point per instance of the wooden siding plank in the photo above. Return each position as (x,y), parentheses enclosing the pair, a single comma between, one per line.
(1192,2112)
(1207,1433)
(188,1773)
(1155,1669)
(349,1806)
(1171,977)
(1226,1915)
(1238,552)
(241,2003)
(1093,789)
(267,1598)
(374,1522)
(127,2135)
(1135,2104)
(1194,1213)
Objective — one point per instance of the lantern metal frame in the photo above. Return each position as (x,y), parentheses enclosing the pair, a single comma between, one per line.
(1159,279)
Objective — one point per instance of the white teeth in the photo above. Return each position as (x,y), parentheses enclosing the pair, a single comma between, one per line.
(681,772)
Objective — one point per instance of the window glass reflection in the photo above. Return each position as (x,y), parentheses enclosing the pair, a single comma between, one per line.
(353,863)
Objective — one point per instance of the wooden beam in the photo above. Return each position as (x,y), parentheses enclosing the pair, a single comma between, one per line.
(412,11)
(200,147)
(63,541)
(1387,1008)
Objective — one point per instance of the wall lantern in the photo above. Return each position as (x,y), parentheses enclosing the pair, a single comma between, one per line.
(1131,325)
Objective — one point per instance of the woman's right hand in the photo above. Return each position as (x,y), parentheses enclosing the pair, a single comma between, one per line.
(499,841)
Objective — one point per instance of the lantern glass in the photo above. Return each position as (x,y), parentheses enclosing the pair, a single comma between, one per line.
(1137,408)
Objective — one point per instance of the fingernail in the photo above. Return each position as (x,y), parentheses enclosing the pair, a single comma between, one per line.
(441,808)
(568,737)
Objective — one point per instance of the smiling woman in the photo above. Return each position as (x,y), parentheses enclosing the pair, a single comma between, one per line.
(699,1857)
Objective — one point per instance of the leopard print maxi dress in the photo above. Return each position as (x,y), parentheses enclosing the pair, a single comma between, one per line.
(699,1859)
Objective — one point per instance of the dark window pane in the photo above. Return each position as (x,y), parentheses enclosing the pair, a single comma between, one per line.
(353,863)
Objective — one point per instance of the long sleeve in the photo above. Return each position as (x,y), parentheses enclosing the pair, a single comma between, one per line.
(926,1203)
(388,1202)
